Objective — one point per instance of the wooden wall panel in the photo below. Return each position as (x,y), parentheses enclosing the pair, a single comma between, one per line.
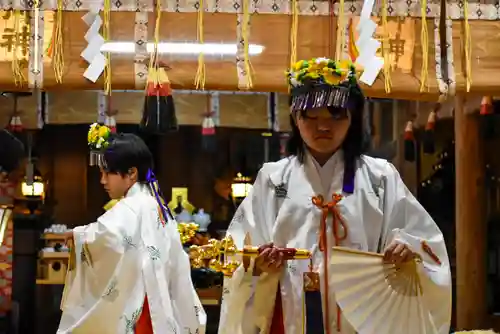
(283,112)
(244,111)
(72,107)
(27,110)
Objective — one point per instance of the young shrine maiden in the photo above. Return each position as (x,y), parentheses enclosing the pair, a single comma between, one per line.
(132,274)
(325,194)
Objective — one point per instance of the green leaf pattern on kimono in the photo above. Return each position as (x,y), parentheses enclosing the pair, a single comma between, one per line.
(85,256)
(171,328)
(111,292)
(154,253)
(130,322)
(128,243)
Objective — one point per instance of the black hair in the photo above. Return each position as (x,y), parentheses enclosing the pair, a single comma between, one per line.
(356,141)
(126,151)
(11,151)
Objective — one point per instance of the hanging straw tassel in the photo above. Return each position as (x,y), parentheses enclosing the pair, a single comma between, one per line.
(56,49)
(159,110)
(17,71)
(106,30)
(487,124)
(208,140)
(424,40)
(245,31)
(468,46)
(428,139)
(110,120)
(386,49)
(199,80)
(410,151)
(15,124)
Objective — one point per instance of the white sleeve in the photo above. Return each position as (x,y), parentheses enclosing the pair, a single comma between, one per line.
(188,311)
(250,218)
(406,221)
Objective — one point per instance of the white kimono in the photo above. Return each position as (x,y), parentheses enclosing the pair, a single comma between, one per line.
(126,255)
(280,210)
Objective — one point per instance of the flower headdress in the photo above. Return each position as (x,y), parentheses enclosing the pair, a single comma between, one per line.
(97,139)
(321,82)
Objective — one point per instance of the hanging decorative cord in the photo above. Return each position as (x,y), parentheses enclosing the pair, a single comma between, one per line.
(341,40)
(36,33)
(153,73)
(424,40)
(468,47)
(245,31)
(17,71)
(294,31)
(386,49)
(199,80)
(106,32)
(56,49)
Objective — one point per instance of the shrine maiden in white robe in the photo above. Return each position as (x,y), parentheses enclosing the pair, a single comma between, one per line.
(126,255)
(279,209)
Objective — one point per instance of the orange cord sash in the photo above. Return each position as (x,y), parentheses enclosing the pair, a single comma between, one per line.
(339,234)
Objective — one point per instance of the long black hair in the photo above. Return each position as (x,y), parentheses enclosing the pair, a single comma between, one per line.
(357,139)
(126,151)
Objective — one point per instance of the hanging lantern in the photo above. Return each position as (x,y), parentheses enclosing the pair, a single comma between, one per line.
(241,186)
(409,146)
(33,185)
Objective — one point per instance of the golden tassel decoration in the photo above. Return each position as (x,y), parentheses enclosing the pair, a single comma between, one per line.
(386,49)
(341,41)
(153,72)
(17,71)
(294,30)
(58,44)
(36,47)
(468,46)
(106,32)
(424,40)
(199,80)
(245,34)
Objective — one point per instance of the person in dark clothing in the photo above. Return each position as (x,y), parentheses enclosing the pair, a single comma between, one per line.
(223,206)
(11,153)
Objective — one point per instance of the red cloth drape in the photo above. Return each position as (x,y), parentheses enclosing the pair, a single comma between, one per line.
(277,324)
(144,325)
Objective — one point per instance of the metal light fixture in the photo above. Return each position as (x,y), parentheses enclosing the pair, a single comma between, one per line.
(241,186)
(35,188)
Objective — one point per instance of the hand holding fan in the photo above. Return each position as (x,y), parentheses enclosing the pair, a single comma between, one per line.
(376,297)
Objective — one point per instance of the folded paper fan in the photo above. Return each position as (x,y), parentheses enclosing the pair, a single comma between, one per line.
(376,297)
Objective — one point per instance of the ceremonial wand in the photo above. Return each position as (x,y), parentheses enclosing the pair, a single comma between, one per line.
(215,255)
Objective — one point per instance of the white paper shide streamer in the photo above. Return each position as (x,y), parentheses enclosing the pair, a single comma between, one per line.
(92,53)
(368,46)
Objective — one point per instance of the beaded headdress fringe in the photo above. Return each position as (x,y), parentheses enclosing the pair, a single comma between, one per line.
(97,159)
(327,96)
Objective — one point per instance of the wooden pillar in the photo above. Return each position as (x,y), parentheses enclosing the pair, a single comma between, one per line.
(470,221)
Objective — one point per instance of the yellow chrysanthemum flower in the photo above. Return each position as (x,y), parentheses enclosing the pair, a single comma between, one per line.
(104,132)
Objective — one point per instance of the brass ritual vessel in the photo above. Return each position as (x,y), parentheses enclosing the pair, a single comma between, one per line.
(215,255)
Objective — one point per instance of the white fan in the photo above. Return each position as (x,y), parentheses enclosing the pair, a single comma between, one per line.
(376,297)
